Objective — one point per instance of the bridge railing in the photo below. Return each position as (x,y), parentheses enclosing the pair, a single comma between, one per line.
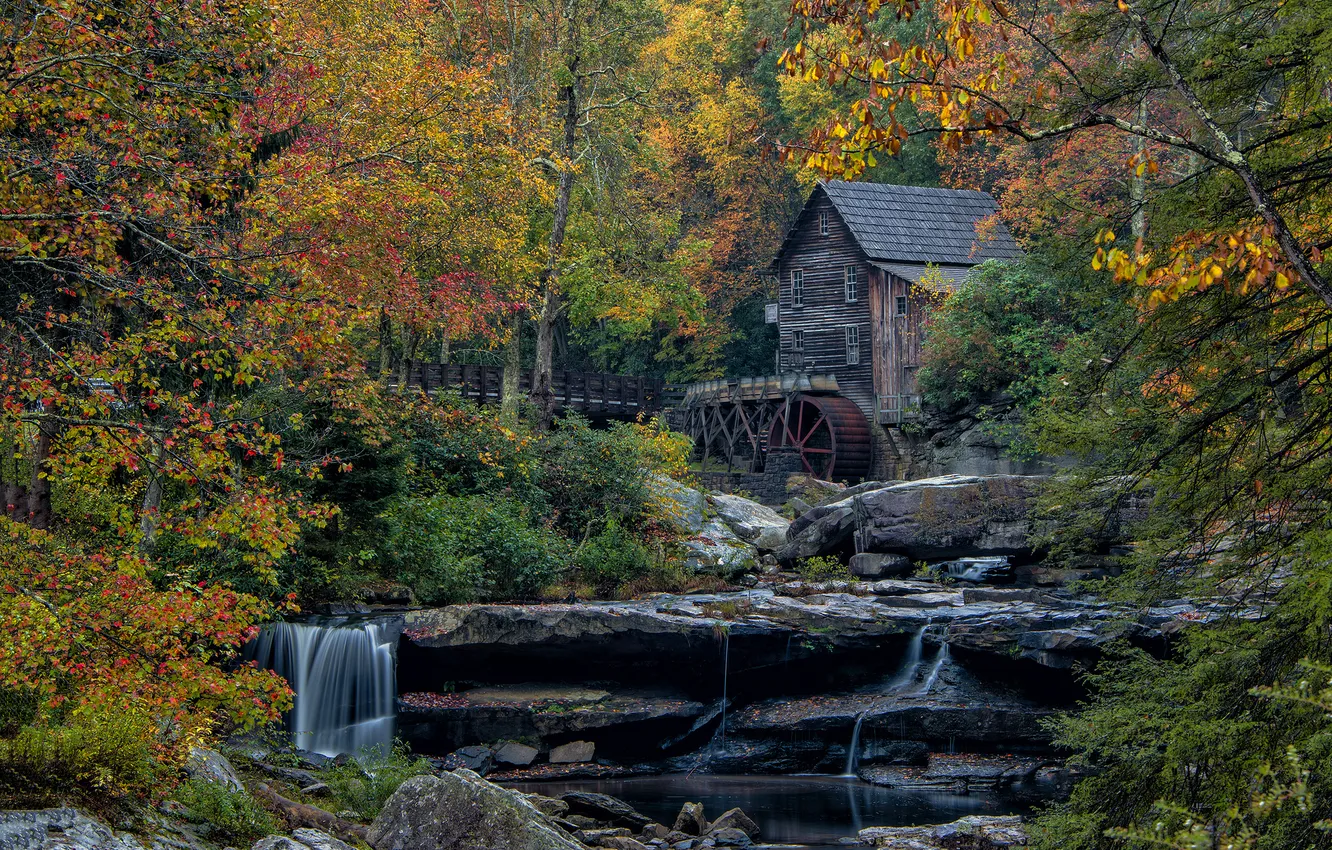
(586,392)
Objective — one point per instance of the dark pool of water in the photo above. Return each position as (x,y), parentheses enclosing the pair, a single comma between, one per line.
(809,810)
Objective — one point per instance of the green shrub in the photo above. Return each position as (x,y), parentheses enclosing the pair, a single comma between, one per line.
(462,549)
(227,814)
(104,753)
(590,475)
(612,558)
(1003,330)
(823,568)
(364,787)
(461,449)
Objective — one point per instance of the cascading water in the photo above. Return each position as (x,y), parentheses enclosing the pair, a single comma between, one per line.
(905,675)
(977,569)
(933,676)
(343,676)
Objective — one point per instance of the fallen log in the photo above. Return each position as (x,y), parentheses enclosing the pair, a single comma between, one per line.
(300,814)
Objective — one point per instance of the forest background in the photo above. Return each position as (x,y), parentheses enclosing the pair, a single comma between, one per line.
(213,215)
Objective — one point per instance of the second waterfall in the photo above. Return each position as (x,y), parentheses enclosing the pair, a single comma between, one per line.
(343,676)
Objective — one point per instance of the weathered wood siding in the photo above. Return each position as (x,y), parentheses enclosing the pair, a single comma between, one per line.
(826,313)
(897,337)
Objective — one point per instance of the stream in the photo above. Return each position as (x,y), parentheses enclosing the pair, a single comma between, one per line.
(815,811)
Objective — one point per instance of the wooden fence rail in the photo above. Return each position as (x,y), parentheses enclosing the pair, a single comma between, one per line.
(593,393)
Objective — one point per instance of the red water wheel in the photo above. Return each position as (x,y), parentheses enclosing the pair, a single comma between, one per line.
(830,433)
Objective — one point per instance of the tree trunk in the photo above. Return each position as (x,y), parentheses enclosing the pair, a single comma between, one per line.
(385,345)
(443,348)
(16,502)
(152,501)
(1138,181)
(513,363)
(551,303)
(39,490)
(410,341)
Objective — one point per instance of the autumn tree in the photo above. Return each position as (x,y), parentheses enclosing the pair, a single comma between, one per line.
(133,335)
(1229,89)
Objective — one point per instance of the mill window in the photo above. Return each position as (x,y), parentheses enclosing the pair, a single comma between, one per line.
(901,305)
(823,222)
(852,284)
(797,340)
(797,287)
(852,344)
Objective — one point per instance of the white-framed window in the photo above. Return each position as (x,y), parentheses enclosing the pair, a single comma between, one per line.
(797,287)
(851,277)
(823,222)
(901,305)
(852,344)
(797,340)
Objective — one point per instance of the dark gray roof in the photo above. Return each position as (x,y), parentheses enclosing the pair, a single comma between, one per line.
(917,225)
(950,277)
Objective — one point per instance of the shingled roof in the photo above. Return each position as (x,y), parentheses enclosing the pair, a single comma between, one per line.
(912,224)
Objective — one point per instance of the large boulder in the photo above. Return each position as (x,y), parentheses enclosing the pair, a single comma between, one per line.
(462,811)
(819,530)
(59,829)
(758,525)
(716,549)
(211,766)
(950,516)
(604,807)
(512,752)
(691,820)
(680,504)
(735,819)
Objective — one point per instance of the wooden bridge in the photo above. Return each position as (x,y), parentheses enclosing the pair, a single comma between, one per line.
(597,394)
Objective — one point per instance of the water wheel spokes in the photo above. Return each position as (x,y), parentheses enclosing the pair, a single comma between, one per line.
(830,434)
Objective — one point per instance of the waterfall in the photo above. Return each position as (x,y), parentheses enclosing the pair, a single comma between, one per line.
(977,569)
(853,753)
(343,677)
(933,676)
(905,675)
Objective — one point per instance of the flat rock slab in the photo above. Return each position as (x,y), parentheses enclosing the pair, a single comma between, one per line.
(843,615)
(975,832)
(960,773)
(526,694)
(575,752)
(604,807)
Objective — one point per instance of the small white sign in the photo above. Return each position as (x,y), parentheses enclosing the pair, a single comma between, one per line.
(770,313)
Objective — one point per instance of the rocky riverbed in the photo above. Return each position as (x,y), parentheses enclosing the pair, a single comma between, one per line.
(460,810)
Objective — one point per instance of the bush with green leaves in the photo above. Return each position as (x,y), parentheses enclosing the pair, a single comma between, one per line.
(823,568)
(453,549)
(364,786)
(1001,331)
(225,814)
(612,558)
(590,474)
(89,751)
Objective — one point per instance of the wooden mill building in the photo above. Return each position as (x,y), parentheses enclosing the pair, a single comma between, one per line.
(851,277)
(854,278)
